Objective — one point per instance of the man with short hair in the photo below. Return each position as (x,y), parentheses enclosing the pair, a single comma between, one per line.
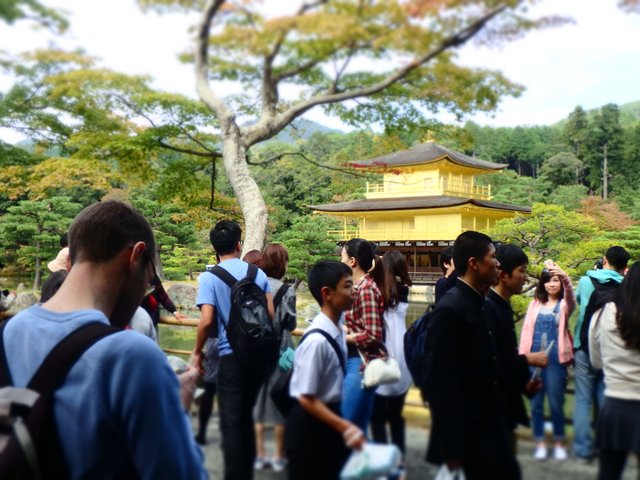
(589,382)
(238,384)
(468,428)
(118,411)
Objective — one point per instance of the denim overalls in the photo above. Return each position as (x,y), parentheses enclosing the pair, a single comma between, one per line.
(554,377)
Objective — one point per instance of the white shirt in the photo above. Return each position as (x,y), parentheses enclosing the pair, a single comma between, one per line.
(316,367)
(607,351)
(395,327)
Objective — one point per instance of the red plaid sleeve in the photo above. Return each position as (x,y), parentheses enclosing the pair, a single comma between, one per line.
(365,319)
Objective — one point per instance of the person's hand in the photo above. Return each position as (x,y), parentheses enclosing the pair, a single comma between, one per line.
(198,361)
(537,359)
(180,316)
(532,387)
(353,436)
(351,338)
(556,270)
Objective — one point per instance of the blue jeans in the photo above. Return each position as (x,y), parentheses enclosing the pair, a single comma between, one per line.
(589,384)
(357,402)
(554,384)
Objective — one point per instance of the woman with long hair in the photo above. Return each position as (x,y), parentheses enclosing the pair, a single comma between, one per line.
(546,321)
(389,399)
(365,330)
(614,346)
(273,262)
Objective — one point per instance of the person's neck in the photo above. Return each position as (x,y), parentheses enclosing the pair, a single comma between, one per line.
(332,313)
(358,274)
(229,256)
(88,287)
(502,291)
(552,299)
(474,282)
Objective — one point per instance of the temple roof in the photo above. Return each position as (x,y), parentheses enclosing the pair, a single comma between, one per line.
(427,153)
(413,203)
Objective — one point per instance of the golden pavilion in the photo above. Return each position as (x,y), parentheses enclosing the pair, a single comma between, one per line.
(427,197)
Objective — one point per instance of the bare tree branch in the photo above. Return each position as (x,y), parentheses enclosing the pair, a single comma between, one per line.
(210,99)
(258,132)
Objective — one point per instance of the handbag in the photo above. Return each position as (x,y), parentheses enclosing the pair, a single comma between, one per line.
(380,371)
(374,461)
(445,474)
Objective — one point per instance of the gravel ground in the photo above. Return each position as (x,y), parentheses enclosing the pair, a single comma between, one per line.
(417,468)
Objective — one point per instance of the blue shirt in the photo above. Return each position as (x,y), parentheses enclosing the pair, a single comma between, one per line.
(213,291)
(119,403)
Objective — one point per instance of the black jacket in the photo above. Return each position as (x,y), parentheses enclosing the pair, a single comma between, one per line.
(463,387)
(513,369)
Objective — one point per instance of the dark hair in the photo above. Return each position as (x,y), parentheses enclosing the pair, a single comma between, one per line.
(274,260)
(617,257)
(541,294)
(445,257)
(52,284)
(64,240)
(628,308)
(510,257)
(224,236)
(396,275)
(326,273)
(103,229)
(470,244)
(365,254)
(254,257)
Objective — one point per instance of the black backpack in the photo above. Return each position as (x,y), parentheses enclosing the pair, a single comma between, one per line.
(29,442)
(415,350)
(279,392)
(250,331)
(603,294)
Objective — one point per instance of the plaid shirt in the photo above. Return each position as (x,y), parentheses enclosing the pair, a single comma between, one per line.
(365,319)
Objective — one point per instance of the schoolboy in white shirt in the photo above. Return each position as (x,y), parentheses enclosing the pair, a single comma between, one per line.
(317,438)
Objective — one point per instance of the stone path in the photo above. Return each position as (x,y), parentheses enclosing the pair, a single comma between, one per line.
(418,469)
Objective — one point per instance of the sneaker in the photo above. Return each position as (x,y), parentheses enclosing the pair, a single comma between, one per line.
(201,439)
(541,453)
(260,463)
(278,464)
(560,453)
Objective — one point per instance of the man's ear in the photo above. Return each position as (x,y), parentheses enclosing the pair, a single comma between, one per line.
(472,263)
(325,293)
(136,254)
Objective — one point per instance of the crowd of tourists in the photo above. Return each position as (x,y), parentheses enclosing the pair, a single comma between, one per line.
(115,403)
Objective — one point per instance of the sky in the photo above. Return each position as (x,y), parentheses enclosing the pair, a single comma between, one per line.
(591,62)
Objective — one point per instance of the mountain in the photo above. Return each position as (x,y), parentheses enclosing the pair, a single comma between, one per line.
(303,129)
(629,115)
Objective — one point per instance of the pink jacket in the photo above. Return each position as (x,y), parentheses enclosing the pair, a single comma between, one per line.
(565,342)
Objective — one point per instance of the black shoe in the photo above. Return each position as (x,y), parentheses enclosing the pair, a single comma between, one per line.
(200,439)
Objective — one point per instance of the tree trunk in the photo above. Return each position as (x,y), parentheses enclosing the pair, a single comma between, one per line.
(605,174)
(38,268)
(247,192)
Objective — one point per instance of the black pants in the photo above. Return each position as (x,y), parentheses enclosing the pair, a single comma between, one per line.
(388,409)
(238,388)
(315,451)
(206,407)
(612,463)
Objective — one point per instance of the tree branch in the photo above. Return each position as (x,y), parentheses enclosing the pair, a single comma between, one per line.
(210,99)
(307,159)
(257,134)
(209,154)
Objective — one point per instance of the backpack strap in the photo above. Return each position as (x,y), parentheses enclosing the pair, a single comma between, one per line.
(252,272)
(64,355)
(5,374)
(331,341)
(225,276)
(280,295)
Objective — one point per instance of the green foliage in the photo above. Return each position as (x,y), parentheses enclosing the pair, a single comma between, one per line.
(182,262)
(511,188)
(307,241)
(608,140)
(13,10)
(552,232)
(564,168)
(31,231)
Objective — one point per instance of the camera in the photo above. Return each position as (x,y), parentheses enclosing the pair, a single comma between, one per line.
(599,265)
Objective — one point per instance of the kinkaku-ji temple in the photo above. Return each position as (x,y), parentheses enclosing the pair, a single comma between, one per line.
(427,197)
